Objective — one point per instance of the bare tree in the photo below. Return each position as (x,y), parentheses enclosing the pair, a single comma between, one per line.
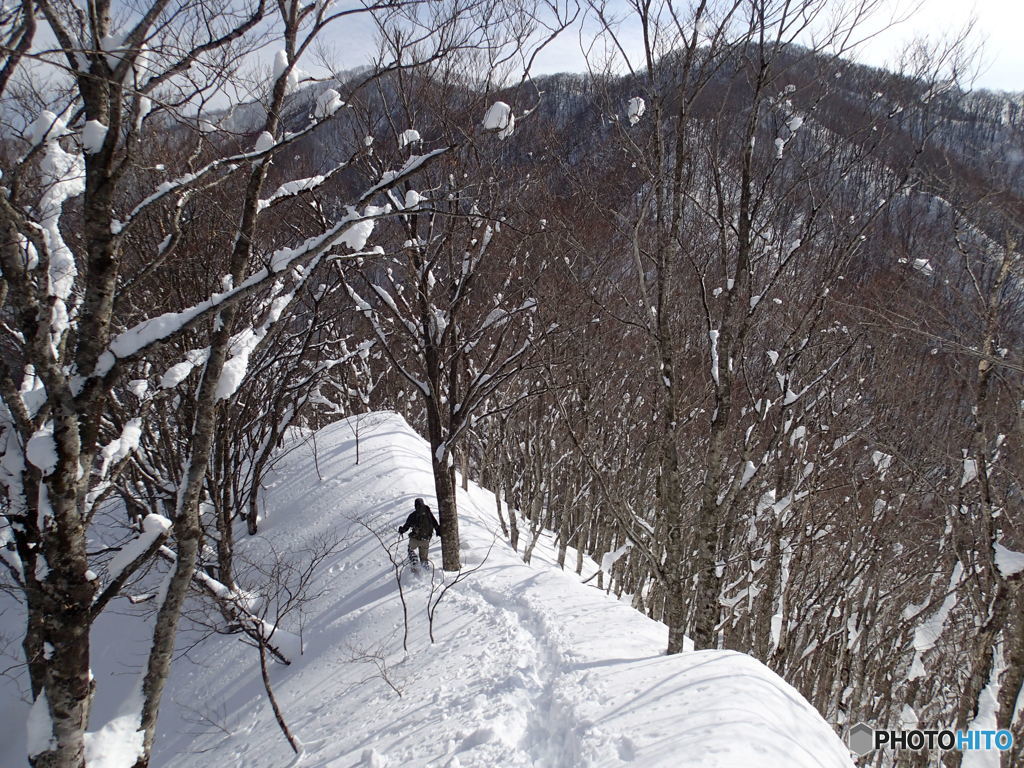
(452,304)
(74,196)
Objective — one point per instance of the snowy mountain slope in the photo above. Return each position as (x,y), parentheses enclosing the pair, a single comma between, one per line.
(530,667)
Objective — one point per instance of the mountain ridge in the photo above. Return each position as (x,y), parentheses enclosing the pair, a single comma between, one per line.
(530,667)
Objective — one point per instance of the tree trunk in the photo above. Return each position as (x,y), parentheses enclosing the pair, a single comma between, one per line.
(464,464)
(225,547)
(1012,684)
(444,490)
(513,516)
(66,595)
(68,685)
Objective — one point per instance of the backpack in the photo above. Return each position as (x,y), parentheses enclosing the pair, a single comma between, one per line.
(423,526)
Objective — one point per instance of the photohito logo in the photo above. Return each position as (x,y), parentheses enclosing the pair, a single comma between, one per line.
(862,739)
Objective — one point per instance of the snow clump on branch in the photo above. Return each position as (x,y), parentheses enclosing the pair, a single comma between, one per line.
(409,136)
(500,118)
(94,133)
(635,110)
(327,103)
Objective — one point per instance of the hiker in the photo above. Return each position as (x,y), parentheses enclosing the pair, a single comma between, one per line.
(421,525)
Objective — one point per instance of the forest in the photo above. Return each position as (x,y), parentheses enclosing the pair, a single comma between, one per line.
(730,312)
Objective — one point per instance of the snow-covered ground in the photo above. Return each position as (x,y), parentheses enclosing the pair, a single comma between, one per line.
(529,668)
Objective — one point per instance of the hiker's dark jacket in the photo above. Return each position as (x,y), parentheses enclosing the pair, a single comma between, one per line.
(421,524)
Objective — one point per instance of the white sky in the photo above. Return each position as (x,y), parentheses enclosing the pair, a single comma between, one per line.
(999,27)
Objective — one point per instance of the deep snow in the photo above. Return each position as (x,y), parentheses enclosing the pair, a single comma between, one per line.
(529,668)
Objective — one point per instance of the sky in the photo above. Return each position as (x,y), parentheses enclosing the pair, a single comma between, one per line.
(998,27)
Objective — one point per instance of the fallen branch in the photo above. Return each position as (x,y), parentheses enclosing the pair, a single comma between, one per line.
(231,609)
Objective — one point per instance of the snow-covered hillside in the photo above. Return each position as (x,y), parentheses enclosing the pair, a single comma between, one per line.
(529,668)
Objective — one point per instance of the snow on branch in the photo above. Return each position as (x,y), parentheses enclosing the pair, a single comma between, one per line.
(635,109)
(382,337)
(297,187)
(261,151)
(155,530)
(351,230)
(245,342)
(500,119)
(927,634)
(231,603)
(1008,562)
(9,554)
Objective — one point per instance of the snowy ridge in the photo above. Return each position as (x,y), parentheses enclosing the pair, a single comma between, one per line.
(530,667)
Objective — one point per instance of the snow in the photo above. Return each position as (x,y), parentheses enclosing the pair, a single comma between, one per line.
(41,450)
(1008,562)
(113,43)
(749,470)
(327,103)
(47,127)
(530,667)
(126,443)
(38,728)
(215,587)
(233,373)
(500,118)
(923,266)
(145,107)
(264,142)
(413,198)
(610,558)
(176,374)
(635,110)
(149,331)
(93,135)
(153,527)
(373,759)
(358,231)
(970,472)
(776,629)
(409,136)
(281,65)
(496,317)
(351,230)
(9,555)
(118,744)
(987,717)
(713,338)
(292,188)
(926,635)
(63,173)
(882,462)
(120,447)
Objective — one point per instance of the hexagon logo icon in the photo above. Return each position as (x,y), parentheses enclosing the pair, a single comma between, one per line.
(861,739)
